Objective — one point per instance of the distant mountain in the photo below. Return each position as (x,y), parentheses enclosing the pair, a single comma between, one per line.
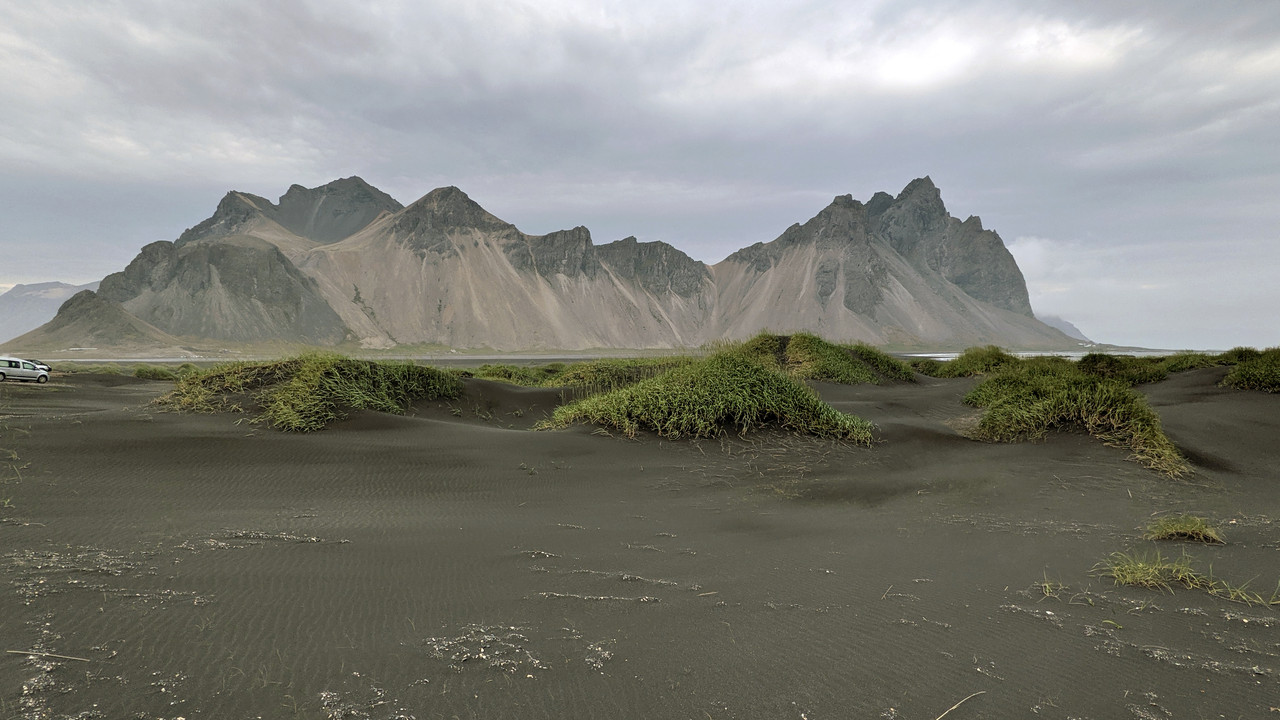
(27,307)
(1064,327)
(346,264)
(88,320)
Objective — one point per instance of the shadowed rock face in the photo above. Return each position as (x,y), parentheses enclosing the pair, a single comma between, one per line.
(324,215)
(238,288)
(332,212)
(563,252)
(657,266)
(428,225)
(917,226)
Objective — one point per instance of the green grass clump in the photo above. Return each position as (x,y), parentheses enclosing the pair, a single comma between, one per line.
(1024,401)
(153,372)
(1157,572)
(1128,368)
(974,361)
(730,390)
(1257,372)
(306,393)
(520,374)
(806,356)
(608,375)
(1238,355)
(1181,362)
(809,357)
(883,363)
(1183,527)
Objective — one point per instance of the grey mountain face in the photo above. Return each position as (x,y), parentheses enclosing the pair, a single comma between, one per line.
(917,226)
(657,266)
(324,215)
(240,288)
(345,262)
(27,307)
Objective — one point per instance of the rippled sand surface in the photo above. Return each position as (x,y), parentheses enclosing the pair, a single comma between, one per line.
(452,563)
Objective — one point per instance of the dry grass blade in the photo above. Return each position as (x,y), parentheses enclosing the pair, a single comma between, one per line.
(953,707)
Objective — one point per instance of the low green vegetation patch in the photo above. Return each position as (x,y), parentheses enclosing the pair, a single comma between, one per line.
(806,356)
(154,372)
(730,390)
(596,376)
(1259,370)
(1183,527)
(519,374)
(1023,401)
(1157,572)
(974,361)
(306,393)
(587,377)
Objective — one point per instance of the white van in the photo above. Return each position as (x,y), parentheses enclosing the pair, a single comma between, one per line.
(18,369)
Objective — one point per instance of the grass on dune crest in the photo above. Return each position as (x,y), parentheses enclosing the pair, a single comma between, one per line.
(1259,370)
(806,356)
(730,390)
(593,375)
(1024,401)
(803,355)
(306,393)
(1192,528)
(974,361)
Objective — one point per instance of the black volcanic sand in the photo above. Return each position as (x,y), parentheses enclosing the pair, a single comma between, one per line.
(452,563)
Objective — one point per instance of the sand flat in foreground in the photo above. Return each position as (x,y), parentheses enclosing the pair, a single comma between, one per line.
(451,563)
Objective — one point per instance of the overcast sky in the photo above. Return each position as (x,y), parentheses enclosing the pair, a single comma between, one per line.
(1128,153)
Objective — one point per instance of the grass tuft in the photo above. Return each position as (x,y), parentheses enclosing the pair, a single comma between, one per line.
(806,356)
(1260,371)
(1157,572)
(730,390)
(974,361)
(306,393)
(1024,401)
(1184,527)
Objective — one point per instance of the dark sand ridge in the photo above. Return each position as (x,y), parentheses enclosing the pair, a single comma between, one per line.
(443,564)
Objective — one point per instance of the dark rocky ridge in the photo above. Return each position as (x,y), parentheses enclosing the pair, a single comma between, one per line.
(326,214)
(240,288)
(916,224)
(657,266)
(427,225)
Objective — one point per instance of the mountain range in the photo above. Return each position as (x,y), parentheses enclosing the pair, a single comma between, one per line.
(347,265)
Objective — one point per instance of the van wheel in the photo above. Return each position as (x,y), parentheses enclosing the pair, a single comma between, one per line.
(1,377)
(42,379)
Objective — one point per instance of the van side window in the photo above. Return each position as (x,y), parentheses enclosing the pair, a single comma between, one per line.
(13,363)
(28,366)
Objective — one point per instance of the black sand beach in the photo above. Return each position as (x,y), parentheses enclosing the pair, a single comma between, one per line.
(452,563)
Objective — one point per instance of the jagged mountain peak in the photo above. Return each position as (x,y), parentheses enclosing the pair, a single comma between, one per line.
(324,214)
(427,224)
(659,266)
(331,212)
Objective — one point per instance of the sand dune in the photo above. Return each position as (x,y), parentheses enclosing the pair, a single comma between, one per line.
(451,563)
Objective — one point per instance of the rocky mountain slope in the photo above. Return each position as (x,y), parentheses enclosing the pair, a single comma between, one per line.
(27,307)
(346,264)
